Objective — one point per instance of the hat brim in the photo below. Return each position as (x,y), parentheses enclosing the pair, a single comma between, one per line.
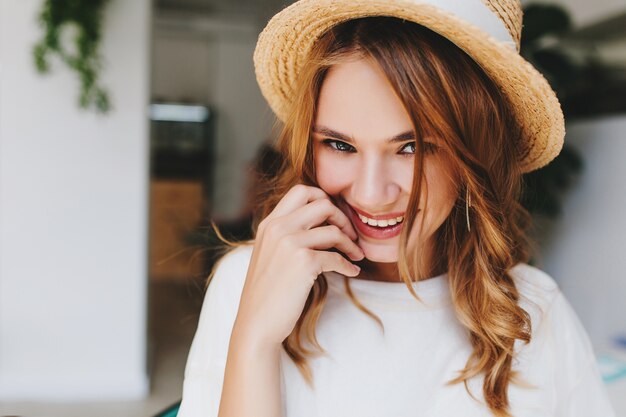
(287,39)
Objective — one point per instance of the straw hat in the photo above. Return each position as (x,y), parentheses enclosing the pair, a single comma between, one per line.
(487,30)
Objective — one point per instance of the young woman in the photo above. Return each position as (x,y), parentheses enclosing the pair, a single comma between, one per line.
(388,275)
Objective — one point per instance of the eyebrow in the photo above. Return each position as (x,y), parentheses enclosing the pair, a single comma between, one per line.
(408,135)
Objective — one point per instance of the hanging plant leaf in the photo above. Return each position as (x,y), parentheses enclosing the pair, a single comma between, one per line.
(83,20)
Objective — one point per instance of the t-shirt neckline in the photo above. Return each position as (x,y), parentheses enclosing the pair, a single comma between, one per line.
(434,291)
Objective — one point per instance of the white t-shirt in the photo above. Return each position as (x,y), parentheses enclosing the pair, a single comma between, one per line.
(403,372)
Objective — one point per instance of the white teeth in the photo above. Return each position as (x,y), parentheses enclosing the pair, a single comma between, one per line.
(380,223)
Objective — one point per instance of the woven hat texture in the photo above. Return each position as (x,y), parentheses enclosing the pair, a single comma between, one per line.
(487,30)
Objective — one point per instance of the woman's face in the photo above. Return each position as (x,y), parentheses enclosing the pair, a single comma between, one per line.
(364,150)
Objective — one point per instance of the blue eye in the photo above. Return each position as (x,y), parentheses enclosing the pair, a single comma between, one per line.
(338,145)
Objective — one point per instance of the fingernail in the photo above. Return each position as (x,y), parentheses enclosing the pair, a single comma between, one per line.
(356,268)
(356,256)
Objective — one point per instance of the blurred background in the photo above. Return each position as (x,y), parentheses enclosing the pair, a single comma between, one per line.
(116,150)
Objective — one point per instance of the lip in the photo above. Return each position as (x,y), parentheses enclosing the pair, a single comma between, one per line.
(373,231)
(379,217)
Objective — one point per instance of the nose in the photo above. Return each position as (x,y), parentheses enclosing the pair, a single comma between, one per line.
(374,188)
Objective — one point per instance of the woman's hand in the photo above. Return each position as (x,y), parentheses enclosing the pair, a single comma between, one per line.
(290,251)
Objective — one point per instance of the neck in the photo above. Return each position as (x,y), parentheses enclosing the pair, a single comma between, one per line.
(389,272)
(380,271)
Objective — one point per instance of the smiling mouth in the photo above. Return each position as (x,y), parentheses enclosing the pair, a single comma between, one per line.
(380,223)
(373,220)
(378,228)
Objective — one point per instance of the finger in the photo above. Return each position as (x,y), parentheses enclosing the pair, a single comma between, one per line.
(298,196)
(316,213)
(332,261)
(327,237)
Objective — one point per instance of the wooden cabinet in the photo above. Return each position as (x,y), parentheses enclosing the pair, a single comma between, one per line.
(182,159)
(176,209)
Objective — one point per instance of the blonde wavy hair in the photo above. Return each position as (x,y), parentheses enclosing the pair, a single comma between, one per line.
(447,94)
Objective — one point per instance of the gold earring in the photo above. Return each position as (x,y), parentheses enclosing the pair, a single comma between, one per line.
(468,204)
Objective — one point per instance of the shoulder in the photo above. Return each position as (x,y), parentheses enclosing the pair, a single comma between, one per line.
(230,270)
(560,353)
(553,319)
(558,335)
(209,349)
(226,282)
(536,288)
(219,310)
(236,258)
(538,293)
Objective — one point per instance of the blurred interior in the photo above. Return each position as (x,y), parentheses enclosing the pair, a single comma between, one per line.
(206,135)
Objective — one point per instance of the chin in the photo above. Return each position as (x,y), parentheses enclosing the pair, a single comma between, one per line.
(379,253)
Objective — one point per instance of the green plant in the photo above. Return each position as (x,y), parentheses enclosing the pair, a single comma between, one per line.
(82,20)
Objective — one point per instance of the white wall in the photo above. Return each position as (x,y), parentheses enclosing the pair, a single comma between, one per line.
(73,216)
(183,67)
(586,251)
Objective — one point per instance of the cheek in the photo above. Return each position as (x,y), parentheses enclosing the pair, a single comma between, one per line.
(333,174)
(442,194)
(403,175)
(445,189)
(442,186)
